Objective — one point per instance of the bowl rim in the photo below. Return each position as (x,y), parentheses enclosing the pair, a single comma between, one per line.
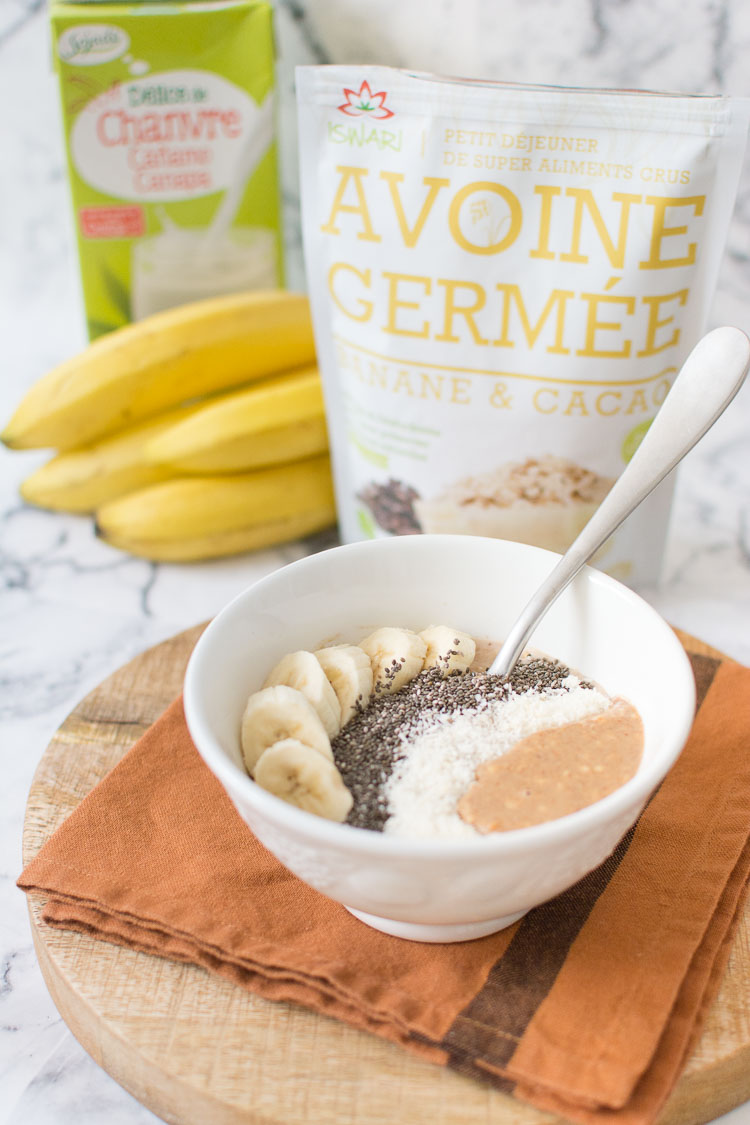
(348,837)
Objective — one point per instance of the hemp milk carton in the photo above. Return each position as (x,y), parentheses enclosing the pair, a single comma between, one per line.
(168,116)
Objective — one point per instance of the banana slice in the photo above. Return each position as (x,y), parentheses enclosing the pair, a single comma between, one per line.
(396,656)
(298,775)
(448,650)
(302,671)
(349,672)
(276,713)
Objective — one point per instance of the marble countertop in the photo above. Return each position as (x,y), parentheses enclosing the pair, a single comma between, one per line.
(73,609)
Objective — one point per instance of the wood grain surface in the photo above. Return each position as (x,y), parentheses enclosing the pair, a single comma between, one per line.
(198,1050)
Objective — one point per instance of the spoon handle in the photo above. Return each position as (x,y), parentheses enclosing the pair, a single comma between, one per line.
(708,381)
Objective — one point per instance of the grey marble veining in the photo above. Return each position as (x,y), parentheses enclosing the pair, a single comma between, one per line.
(72,609)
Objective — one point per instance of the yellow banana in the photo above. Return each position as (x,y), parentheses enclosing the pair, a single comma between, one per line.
(166,359)
(83,479)
(281,419)
(195,518)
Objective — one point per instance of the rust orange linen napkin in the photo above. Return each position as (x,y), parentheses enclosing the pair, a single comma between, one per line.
(587,1007)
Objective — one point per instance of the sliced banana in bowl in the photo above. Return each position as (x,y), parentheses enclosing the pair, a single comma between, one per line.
(301,670)
(448,650)
(302,777)
(396,655)
(349,671)
(276,713)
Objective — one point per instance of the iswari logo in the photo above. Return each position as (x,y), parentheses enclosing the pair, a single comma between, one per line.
(92,44)
(363,103)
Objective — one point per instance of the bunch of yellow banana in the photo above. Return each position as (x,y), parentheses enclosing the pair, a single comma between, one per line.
(195,433)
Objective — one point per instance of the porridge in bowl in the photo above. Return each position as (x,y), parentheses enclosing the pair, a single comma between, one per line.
(408,734)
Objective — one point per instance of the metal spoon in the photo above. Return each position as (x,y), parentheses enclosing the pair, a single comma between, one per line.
(708,381)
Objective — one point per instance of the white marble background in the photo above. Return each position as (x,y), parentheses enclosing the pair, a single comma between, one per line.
(72,610)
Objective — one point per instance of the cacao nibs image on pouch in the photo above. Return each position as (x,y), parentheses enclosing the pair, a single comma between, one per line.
(368,747)
(392,506)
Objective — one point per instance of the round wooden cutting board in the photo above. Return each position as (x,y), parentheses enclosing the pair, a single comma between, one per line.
(200,1051)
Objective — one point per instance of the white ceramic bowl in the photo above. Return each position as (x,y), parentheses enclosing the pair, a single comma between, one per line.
(438,890)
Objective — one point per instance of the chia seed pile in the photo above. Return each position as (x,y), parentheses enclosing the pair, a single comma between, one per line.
(373,743)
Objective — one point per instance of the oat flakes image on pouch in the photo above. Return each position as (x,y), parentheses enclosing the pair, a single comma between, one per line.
(545,501)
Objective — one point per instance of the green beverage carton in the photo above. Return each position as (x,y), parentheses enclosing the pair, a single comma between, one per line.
(168,116)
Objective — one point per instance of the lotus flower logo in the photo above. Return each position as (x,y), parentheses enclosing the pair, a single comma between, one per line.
(362,102)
